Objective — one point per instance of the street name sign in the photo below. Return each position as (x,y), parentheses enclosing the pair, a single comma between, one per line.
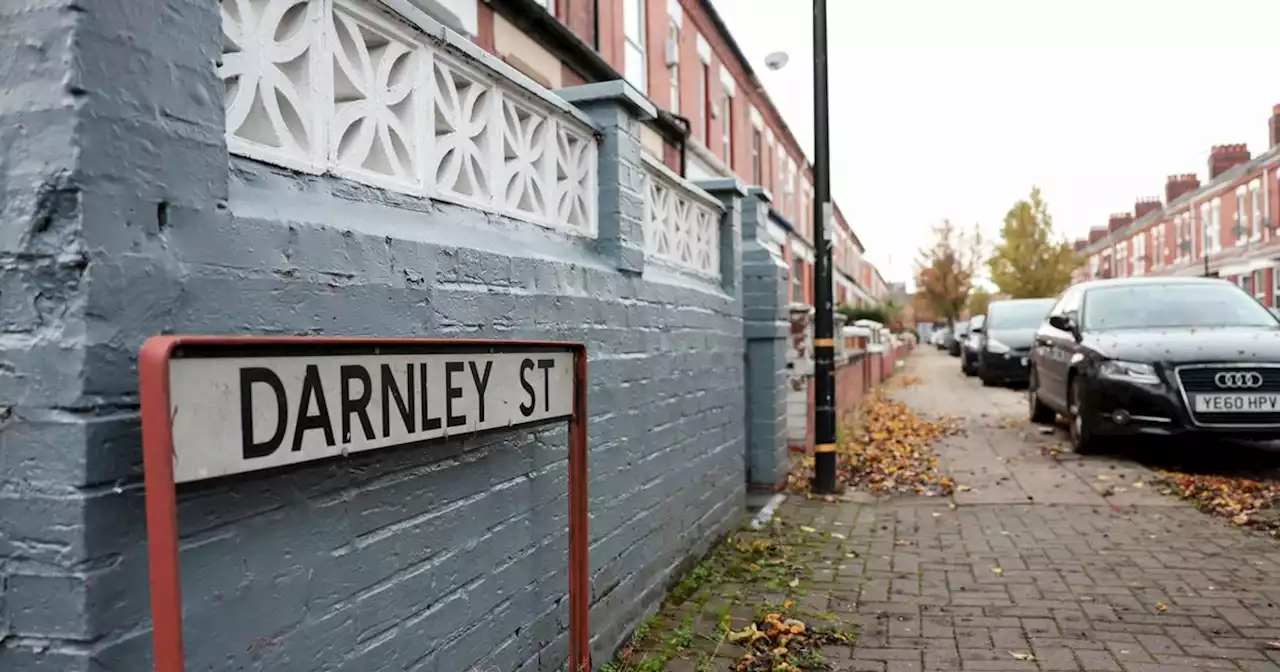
(215,407)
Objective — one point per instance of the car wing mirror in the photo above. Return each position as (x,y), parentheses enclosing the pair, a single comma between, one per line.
(1065,323)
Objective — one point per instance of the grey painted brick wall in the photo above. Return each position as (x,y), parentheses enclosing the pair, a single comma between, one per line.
(123,217)
(765,290)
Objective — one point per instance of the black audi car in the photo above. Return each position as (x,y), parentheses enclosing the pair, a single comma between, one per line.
(1006,337)
(1157,356)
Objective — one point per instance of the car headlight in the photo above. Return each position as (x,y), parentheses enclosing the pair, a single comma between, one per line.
(996,347)
(1132,371)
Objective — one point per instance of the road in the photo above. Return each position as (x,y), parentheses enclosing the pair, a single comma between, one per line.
(1044,562)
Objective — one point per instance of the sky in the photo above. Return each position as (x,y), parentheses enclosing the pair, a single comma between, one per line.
(956,108)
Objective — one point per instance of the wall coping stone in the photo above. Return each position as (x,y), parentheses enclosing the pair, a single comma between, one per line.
(618,90)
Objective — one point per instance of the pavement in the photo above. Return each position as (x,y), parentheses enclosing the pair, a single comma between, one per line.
(1067,559)
(1042,560)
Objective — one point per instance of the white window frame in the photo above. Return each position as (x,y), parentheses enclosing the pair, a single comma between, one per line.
(1259,285)
(1121,253)
(673,69)
(704,106)
(726,126)
(1256,209)
(635,36)
(1139,263)
(1244,216)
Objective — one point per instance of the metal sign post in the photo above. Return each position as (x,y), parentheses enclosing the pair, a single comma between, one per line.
(216,406)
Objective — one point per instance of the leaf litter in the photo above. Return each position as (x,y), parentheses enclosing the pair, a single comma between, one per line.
(889,451)
(1245,502)
(765,570)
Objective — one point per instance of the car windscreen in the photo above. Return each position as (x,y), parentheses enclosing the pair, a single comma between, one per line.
(1172,305)
(1017,314)
(977,322)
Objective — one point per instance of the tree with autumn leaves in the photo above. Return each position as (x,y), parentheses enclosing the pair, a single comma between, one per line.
(1030,262)
(945,270)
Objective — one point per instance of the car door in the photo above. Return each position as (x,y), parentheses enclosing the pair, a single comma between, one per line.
(1053,349)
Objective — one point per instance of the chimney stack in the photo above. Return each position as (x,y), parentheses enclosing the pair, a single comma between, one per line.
(1097,233)
(1145,206)
(1225,157)
(1119,221)
(1177,185)
(1275,126)
(1079,245)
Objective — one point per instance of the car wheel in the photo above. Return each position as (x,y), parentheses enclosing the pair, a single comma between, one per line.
(1083,440)
(987,382)
(1040,414)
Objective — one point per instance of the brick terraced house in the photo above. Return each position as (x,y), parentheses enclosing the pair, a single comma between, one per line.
(1225,226)
(715,119)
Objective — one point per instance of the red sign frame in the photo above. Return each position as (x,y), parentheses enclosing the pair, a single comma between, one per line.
(161,491)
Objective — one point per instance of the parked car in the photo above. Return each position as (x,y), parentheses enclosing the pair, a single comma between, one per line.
(1158,356)
(956,339)
(1007,335)
(969,353)
(940,338)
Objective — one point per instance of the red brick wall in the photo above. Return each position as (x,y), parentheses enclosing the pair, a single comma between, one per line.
(579,16)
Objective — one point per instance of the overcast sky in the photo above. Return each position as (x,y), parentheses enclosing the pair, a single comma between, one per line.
(946,108)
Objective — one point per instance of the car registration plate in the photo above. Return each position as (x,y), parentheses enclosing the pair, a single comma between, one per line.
(1237,403)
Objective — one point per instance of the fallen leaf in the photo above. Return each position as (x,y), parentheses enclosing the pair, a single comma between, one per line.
(837,535)
(1139,484)
(963,488)
(997,571)
(794,583)
(1103,477)
(806,528)
(1022,656)
(1240,519)
(1162,607)
(1273,645)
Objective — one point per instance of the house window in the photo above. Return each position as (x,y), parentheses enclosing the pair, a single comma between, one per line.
(1259,217)
(1259,285)
(1157,255)
(726,129)
(1138,256)
(756,157)
(797,282)
(1246,283)
(704,103)
(673,66)
(1122,258)
(1244,226)
(781,178)
(635,62)
(1275,289)
(1206,219)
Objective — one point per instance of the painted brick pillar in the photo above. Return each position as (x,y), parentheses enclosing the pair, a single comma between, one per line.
(765,281)
(730,192)
(800,376)
(618,111)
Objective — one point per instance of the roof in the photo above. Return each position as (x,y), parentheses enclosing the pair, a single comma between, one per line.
(1263,160)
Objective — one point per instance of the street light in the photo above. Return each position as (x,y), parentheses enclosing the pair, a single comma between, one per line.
(824,343)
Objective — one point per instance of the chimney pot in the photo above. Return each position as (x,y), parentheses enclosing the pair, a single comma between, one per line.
(1177,185)
(1274,126)
(1225,157)
(1119,221)
(1144,206)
